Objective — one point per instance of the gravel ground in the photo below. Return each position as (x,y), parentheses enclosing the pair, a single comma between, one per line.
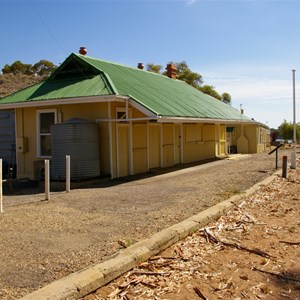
(42,241)
(251,252)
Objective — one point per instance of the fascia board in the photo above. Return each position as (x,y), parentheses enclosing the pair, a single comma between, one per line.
(81,100)
(204,120)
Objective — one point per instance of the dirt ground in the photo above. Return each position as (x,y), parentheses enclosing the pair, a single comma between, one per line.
(42,241)
(253,252)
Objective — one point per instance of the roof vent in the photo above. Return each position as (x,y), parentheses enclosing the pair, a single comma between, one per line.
(140,66)
(171,71)
(83,51)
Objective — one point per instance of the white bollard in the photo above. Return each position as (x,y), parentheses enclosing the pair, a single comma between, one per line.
(68,174)
(47,180)
(1,194)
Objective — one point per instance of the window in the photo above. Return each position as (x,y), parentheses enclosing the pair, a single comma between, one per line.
(121,113)
(45,118)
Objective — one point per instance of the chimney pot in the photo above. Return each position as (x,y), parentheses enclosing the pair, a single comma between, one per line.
(171,71)
(140,66)
(83,51)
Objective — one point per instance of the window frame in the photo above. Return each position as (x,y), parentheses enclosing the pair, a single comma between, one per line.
(124,113)
(38,129)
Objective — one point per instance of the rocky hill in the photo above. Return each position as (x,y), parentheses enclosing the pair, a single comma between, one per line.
(10,83)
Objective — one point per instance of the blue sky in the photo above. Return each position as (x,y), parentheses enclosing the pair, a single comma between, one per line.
(243,47)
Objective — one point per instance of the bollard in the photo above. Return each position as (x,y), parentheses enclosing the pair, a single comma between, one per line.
(68,174)
(47,180)
(284,166)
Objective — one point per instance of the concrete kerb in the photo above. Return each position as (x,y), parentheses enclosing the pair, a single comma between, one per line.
(83,282)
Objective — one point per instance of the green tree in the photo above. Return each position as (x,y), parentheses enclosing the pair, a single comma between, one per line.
(154,68)
(185,74)
(6,69)
(43,68)
(226,98)
(210,90)
(286,130)
(194,79)
(17,68)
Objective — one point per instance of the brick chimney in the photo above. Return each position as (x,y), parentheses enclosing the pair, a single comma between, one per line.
(83,51)
(171,71)
(140,66)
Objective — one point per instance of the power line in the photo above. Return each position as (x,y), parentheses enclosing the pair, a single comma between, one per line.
(47,27)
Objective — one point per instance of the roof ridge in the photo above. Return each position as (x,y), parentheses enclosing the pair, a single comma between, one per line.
(125,66)
(105,76)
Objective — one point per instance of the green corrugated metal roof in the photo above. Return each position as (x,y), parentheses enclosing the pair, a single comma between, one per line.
(81,76)
(163,95)
(49,90)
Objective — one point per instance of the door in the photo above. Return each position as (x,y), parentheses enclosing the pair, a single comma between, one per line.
(154,147)
(177,149)
(122,150)
(8,143)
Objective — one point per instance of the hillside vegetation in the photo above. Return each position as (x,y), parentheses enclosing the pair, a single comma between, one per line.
(18,75)
(10,83)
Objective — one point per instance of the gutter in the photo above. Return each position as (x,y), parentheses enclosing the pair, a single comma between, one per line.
(127,100)
(49,102)
(205,120)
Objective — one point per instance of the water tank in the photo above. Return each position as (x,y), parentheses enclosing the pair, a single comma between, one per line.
(79,139)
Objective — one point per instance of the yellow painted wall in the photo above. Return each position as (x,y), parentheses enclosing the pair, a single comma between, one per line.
(193,144)
(177,149)
(139,148)
(256,138)
(222,140)
(154,146)
(168,145)
(89,111)
(209,140)
(250,131)
(122,150)
(26,128)
(28,162)
(263,139)
(199,142)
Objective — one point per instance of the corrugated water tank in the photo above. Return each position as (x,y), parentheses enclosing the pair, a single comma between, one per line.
(79,139)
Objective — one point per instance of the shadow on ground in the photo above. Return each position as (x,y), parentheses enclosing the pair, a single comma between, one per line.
(30,187)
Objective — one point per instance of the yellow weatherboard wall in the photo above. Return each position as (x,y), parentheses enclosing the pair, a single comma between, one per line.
(193,146)
(168,145)
(154,145)
(139,138)
(132,147)
(29,164)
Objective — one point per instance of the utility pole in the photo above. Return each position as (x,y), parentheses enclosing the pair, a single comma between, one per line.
(293,156)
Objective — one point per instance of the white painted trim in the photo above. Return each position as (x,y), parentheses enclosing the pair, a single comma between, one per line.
(89,99)
(117,150)
(174,146)
(161,146)
(110,143)
(181,143)
(126,109)
(217,139)
(130,146)
(142,108)
(117,143)
(162,119)
(148,150)
(125,120)
(38,133)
